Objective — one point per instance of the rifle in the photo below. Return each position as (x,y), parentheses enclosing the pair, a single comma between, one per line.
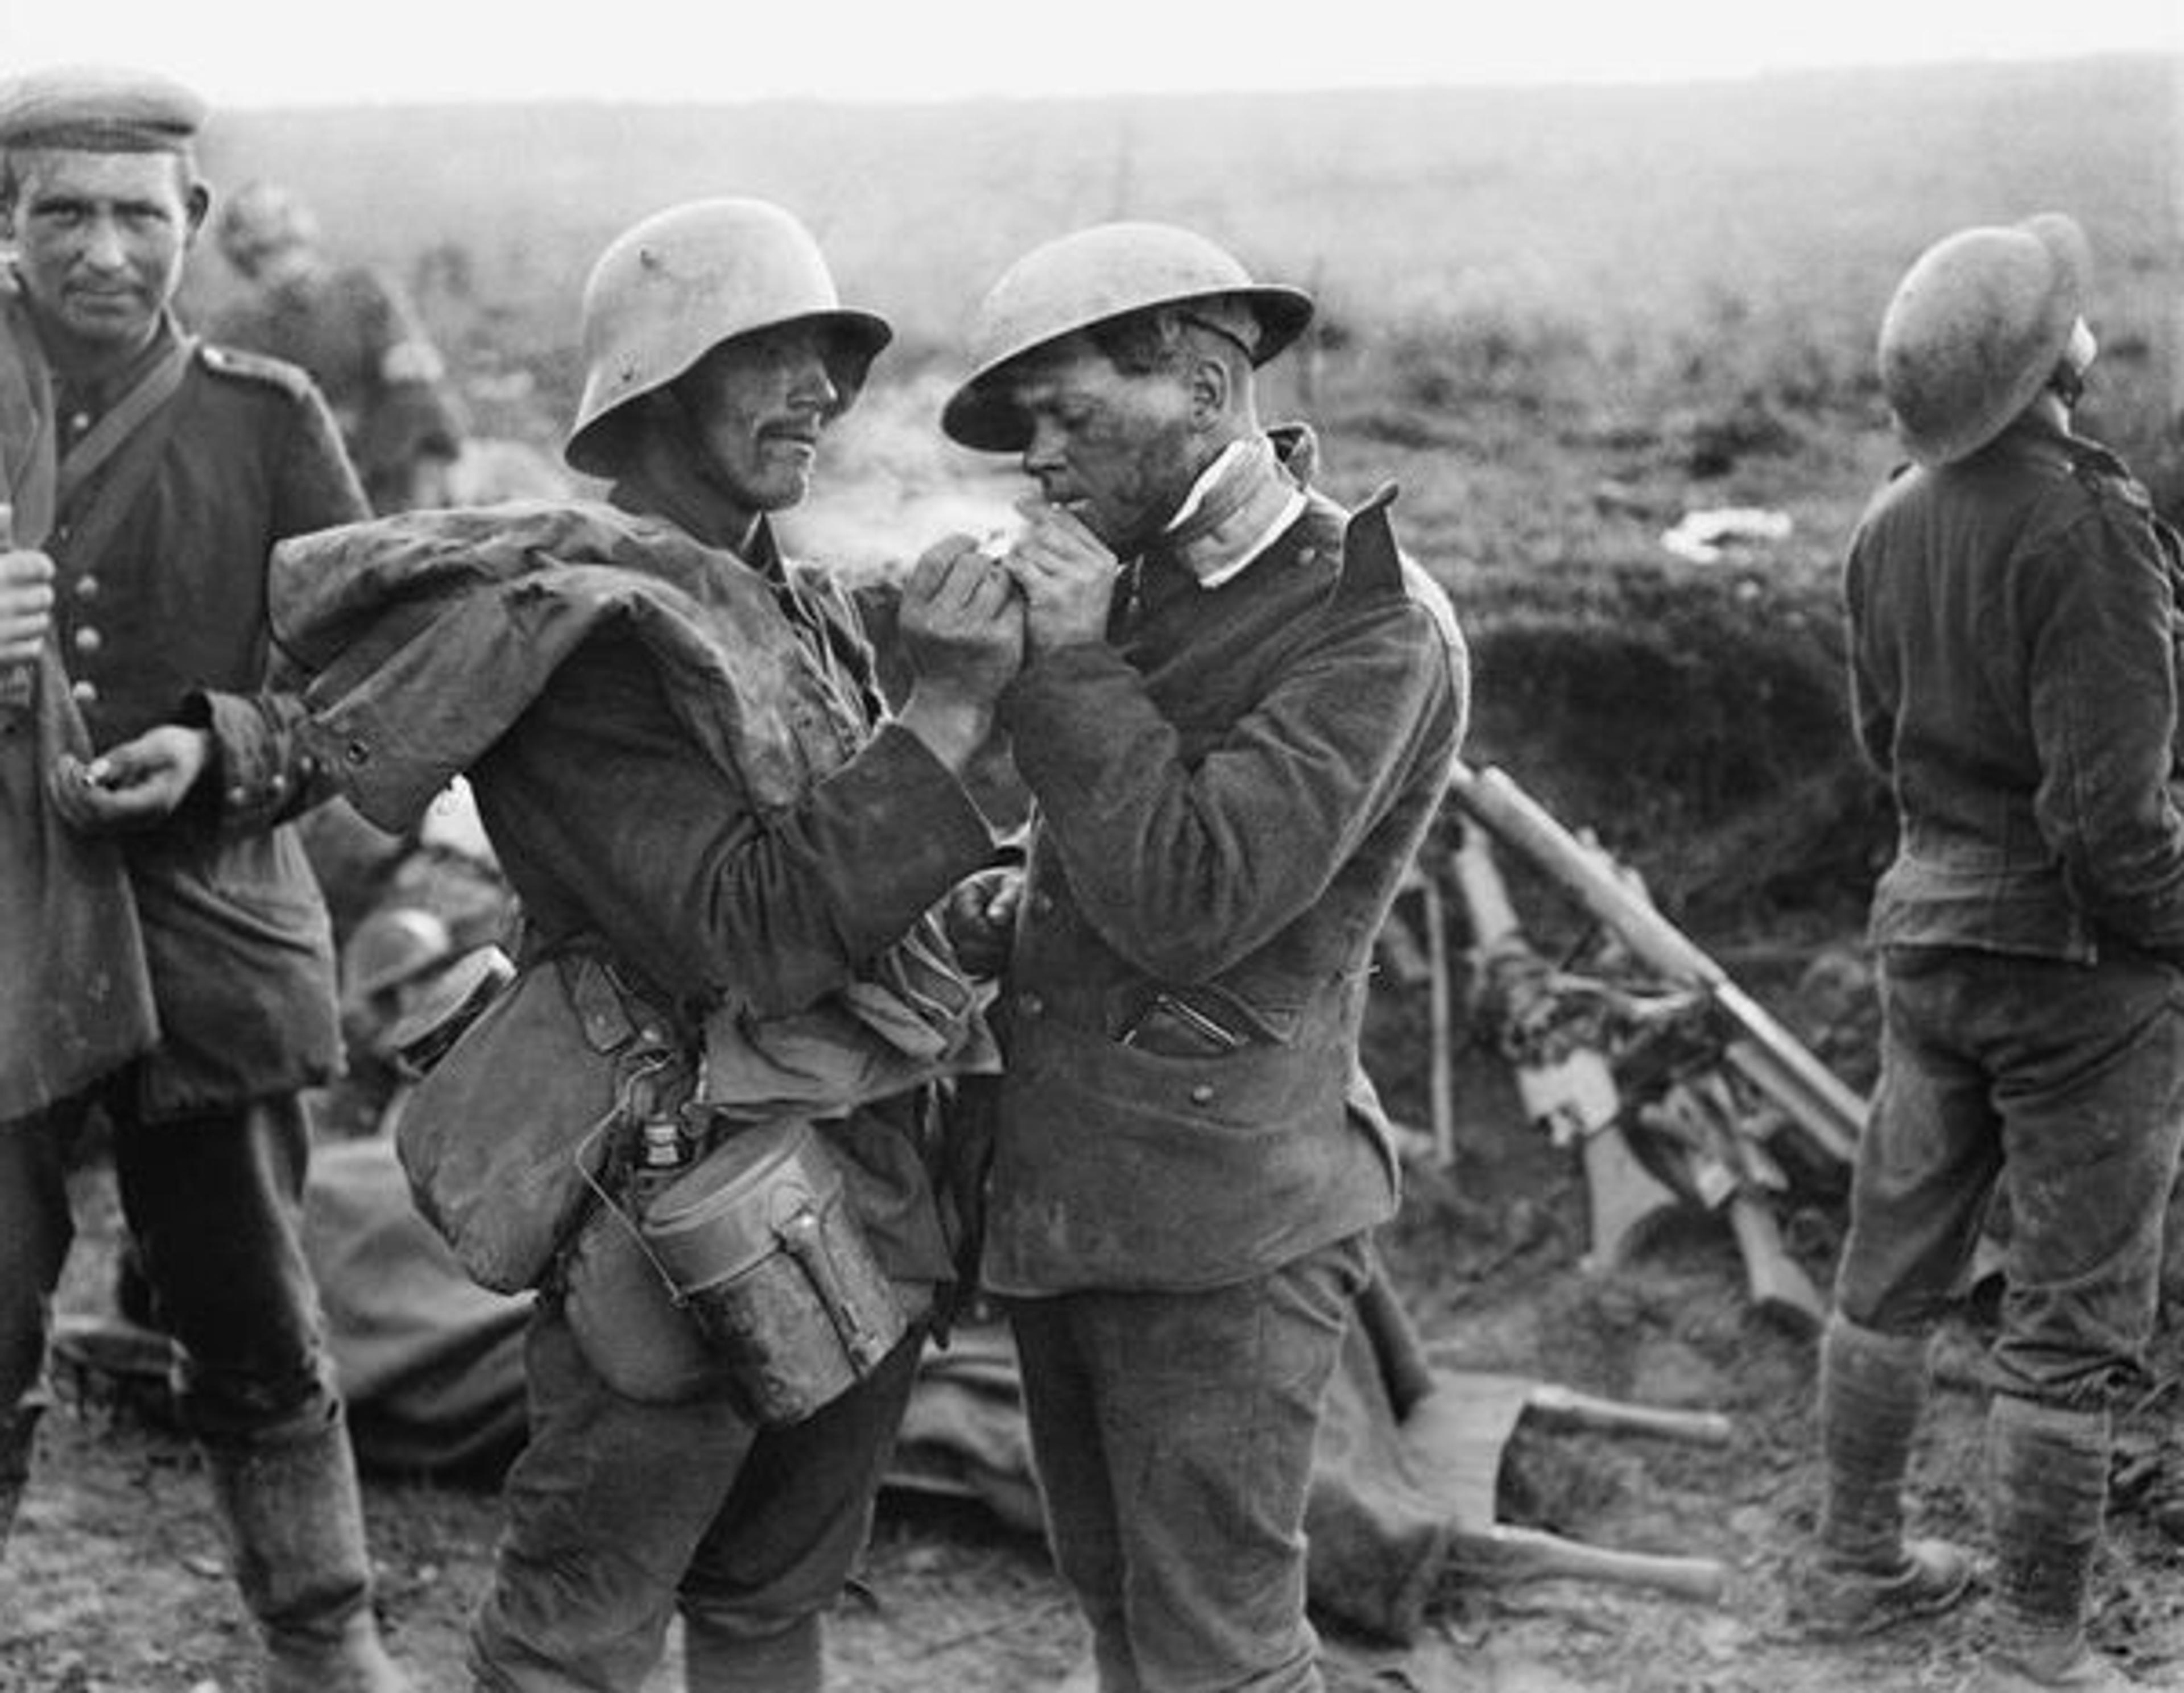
(1731,1173)
(1811,1095)
(1574,1096)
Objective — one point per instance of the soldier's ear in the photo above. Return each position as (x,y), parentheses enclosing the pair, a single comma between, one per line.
(197,201)
(1209,383)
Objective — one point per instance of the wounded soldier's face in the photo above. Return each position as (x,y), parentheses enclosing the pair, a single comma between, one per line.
(758,405)
(1114,448)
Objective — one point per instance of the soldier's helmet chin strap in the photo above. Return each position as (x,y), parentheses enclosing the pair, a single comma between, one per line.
(2079,352)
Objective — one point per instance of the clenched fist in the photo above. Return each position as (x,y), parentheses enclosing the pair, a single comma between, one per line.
(26,604)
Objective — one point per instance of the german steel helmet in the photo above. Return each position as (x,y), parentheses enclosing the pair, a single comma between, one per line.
(1088,278)
(391,947)
(1975,329)
(669,289)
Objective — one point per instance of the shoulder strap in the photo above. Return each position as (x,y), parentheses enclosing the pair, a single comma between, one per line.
(145,438)
(112,433)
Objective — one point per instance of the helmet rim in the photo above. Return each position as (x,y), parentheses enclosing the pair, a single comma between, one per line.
(1092,277)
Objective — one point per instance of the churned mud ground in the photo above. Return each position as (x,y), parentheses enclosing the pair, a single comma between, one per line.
(117,1583)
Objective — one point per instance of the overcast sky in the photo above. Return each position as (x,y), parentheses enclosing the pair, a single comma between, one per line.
(264,53)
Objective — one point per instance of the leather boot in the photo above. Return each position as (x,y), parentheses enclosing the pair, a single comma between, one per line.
(1866,1576)
(719,1660)
(2047,1470)
(295,1525)
(18,1433)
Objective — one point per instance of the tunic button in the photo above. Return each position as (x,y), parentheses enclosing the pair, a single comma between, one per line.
(84,693)
(86,587)
(1202,1094)
(88,639)
(1042,903)
(237,796)
(1031,1004)
(277,782)
(1308,555)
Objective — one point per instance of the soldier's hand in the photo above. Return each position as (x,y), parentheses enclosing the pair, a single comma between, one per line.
(980,916)
(962,624)
(963,629)
(26,604)
(1068,576)
(134,786)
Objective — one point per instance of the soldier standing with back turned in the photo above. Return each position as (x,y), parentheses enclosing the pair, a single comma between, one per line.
(2014,644)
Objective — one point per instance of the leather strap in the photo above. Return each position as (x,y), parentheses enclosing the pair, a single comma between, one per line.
(154,389)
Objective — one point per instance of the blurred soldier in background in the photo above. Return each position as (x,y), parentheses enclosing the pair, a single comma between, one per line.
(1238,717)
(150,476)
(351,328)
(686,775)
(2014,625)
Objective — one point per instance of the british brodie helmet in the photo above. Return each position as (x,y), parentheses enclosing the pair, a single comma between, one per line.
(669,289)
(1976,330)
(1107,271)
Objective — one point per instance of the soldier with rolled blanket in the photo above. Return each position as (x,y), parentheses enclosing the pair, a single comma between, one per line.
(720,840)
(2013,604)
(168,959)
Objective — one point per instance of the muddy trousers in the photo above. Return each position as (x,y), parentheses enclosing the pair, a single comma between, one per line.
(621,1514)
(1173,1434)
(1873,1389)
(18,1436)
(716,1660)
(2047,1471)
(288,1501)
(215,1201)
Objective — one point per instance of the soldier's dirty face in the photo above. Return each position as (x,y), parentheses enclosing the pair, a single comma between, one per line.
(100,240)
(758,406)
(1113,447)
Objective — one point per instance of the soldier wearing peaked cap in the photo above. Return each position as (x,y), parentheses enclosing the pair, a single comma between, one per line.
(2013,670)
(1238,717)
(168,956)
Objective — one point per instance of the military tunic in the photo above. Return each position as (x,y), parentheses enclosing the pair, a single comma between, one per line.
(163,620)
(2016,667)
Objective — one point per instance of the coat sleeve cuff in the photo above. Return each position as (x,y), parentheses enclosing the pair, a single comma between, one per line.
(909,775)
(260,772)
